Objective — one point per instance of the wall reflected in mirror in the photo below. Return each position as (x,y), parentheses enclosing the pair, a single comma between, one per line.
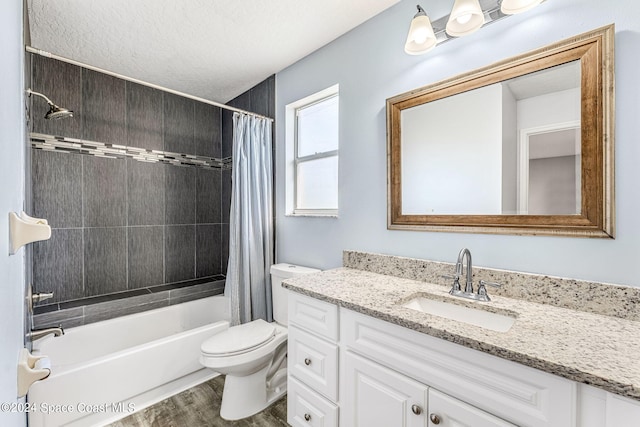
(512,147)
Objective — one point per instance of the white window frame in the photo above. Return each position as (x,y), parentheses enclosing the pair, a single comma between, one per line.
(292,159)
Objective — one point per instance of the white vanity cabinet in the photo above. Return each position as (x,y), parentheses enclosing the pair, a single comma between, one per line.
(376,396)
(507,390)
(313,353)
(355,370)
(598,408)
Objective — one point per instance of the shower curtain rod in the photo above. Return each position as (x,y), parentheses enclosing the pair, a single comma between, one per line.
(131,79)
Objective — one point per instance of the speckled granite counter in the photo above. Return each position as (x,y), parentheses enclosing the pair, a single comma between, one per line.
(581,346)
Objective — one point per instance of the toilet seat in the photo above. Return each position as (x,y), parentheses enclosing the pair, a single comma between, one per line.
(239,339)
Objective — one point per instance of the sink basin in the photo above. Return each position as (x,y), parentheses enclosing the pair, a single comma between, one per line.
(460,313)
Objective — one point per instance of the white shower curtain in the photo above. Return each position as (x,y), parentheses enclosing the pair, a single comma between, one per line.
(248,283)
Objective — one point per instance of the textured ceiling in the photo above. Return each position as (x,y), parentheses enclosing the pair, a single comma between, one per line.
(215,49)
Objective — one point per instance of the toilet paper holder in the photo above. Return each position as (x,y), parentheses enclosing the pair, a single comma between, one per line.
(31,369)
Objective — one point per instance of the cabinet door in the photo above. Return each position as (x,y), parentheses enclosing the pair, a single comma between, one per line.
(445,411)
(376,396)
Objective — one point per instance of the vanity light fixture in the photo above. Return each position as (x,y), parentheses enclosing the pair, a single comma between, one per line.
(421,38)
(466,17)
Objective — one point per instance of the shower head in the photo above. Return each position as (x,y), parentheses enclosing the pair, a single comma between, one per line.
(55,112)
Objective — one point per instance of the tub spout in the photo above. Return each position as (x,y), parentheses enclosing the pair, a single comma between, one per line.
(36,334)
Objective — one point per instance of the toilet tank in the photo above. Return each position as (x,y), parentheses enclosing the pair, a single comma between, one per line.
(279,272)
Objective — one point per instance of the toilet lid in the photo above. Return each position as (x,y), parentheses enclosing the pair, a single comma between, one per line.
(239,339)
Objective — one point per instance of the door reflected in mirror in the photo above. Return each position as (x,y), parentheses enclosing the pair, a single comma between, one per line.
(550,174)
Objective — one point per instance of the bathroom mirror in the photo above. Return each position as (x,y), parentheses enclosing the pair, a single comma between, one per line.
(523,146)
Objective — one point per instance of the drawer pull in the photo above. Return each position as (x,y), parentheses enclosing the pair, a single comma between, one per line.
(307,362)
(434,419)
(307,417)
(416,409)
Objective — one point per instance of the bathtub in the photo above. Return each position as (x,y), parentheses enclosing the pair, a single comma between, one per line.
(106,370)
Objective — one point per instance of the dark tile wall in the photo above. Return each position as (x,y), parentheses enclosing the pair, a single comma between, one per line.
(178,124)
(144,117)
(120,226)
(145,246)
(103,107)
(104,191)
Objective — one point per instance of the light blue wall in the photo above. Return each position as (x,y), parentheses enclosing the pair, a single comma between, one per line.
(11,199)
(370,65)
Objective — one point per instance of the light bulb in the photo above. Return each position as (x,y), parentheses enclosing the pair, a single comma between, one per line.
(463,19)
(420,35)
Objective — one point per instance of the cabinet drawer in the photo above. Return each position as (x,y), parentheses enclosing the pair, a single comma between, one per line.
(307,408)
(517,393)
(319,317)
(314,361)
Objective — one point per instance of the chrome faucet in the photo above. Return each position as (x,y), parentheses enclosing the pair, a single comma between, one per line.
(456,290)
(469,284)
(36,334)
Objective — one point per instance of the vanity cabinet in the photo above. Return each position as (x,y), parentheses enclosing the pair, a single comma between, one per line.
(496,388)
(350,369)
(312,352)
(381,397)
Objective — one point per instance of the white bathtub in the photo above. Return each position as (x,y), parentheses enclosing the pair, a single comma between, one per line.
(104,371)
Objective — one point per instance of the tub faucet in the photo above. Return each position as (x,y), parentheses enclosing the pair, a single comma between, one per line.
(36,334)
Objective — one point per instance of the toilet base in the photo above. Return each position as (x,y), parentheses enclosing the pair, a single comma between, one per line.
(248,395)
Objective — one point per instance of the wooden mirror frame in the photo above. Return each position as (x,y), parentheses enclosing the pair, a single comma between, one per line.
(595,51)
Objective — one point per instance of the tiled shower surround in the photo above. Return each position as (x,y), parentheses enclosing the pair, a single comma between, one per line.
(128,235)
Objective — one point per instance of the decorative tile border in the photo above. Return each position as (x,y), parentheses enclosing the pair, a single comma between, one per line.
(591,297)
(114,151)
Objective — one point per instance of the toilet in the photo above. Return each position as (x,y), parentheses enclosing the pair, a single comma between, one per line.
(253,355)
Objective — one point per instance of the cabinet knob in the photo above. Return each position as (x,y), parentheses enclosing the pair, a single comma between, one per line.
(416,409)
(307,362)
(435,419)
(307,417)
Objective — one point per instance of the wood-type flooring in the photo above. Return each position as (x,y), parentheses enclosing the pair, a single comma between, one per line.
(199,406)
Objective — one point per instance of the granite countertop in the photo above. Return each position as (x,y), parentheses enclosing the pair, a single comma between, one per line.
(581,346)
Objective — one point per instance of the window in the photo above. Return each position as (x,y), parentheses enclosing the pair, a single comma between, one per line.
(312,148)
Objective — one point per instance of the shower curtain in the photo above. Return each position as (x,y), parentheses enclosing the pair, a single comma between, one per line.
(248,282)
